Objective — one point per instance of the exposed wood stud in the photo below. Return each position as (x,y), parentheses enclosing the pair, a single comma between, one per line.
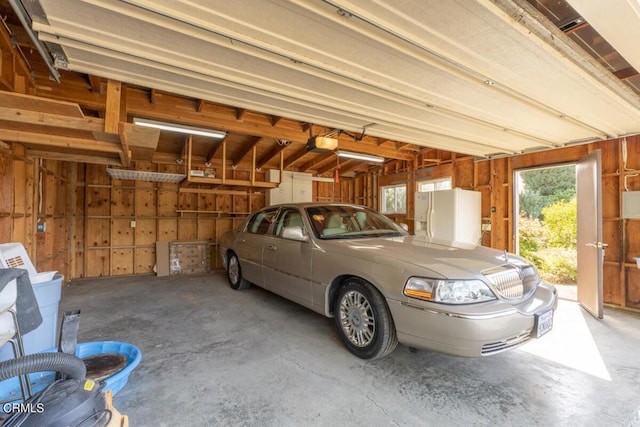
(626,73)
(112,107)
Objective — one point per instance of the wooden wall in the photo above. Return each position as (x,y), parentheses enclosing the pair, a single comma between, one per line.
(35,191)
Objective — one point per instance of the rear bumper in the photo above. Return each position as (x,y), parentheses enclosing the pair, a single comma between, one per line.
(472,334)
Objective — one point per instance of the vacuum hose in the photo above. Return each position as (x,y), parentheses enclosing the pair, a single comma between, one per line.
(64,363)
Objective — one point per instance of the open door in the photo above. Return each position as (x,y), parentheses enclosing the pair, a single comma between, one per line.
(590,245)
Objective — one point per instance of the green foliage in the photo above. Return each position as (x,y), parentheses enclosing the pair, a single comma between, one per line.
(543,187)
(558,265)
(550,244)
(560,224)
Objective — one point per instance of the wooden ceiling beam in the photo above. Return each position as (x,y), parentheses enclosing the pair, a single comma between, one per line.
(349,165)
(294,157)
(332,165)
(78,158)
(246,149)
(60,141)
(626,73)
(91,124)
(96,84)
(317,160)
(271,154)
(166,109)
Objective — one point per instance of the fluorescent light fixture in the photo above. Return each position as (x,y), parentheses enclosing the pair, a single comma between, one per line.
(173,127)
(145,175)
(359,156)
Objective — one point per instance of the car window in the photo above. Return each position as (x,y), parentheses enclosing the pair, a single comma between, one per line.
(349,222)
(288,217)
(260,222)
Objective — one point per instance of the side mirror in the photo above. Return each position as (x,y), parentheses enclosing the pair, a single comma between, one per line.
(404,226)
(294,232)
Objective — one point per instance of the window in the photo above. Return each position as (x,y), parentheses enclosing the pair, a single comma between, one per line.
(261,221)
(288,218)
(394,199)
(435,185)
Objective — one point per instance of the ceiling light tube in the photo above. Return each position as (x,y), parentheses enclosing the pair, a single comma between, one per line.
(173,127)
(359,156)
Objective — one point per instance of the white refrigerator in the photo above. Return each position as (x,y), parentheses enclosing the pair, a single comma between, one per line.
(452,217)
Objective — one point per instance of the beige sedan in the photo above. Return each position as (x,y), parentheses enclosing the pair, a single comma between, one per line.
(383,286)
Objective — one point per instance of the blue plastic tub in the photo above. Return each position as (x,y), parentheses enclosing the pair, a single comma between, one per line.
(10,389)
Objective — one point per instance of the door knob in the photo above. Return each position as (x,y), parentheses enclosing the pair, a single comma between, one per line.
(272,247)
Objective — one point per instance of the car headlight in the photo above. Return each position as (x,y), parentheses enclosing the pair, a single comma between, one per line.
(448,291)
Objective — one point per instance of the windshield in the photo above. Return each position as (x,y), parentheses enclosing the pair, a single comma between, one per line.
(349,222)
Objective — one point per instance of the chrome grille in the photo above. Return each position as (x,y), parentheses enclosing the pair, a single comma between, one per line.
(512,281)
(496,347)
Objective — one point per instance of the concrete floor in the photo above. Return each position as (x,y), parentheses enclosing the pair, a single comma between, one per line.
(214,356)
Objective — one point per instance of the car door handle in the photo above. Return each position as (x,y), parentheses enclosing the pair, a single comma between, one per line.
(272,247)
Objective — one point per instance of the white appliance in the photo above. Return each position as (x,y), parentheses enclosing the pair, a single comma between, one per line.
(451,217)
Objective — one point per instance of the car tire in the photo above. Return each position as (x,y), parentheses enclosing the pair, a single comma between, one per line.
(234,274)
(363,320)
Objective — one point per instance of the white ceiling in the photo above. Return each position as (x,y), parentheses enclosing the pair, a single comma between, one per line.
(481,77)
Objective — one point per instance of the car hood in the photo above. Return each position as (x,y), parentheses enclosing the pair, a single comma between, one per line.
(445,258)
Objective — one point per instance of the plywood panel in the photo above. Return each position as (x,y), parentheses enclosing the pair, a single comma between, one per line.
(188,201)
(79,270)
(78,236)
(167,202)
(98,201)
(609,155)
(121,232)
(633,287)
(121,262)
(207,229)
(123,202)
(167,229)
(611,236)
(482,174)
(50,193)
(145,260)
(187,229)
(97,175)
(463,173)
(632,240)
(145,232)
(97,232)
(19,187)
(241,203)
(612,293)
(145,202)
(223,203)
(207,202)
(97,263)
(610,197)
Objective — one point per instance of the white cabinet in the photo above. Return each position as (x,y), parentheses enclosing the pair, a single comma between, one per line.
(295,187)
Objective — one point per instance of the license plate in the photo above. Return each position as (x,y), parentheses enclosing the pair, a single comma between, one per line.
(544,323)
